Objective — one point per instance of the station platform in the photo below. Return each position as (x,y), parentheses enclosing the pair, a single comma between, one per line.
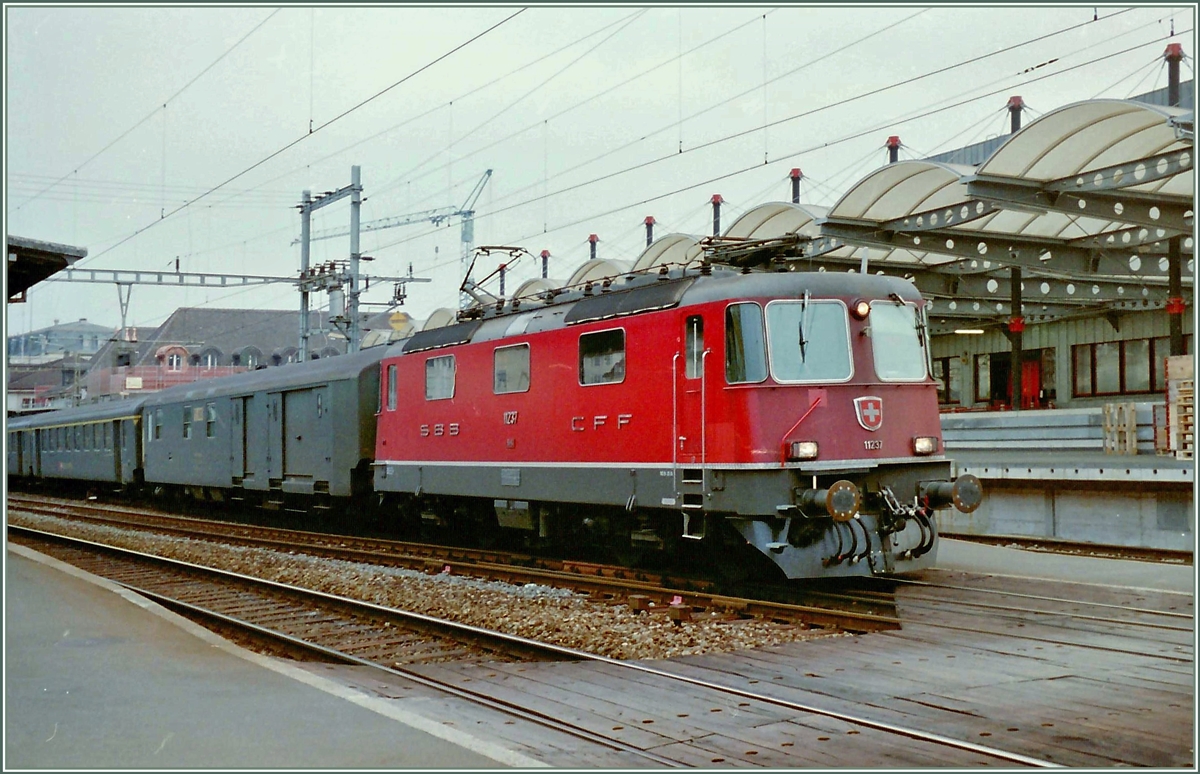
(1057,464)
(965,556)
(1086,495)
(97,677)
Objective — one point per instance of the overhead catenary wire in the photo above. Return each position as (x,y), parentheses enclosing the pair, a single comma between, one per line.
(796,116)
(513,103)
(325,125)
(809,149)
(443,106)
(594,97)
(151,114)
(716,105)
(878,127)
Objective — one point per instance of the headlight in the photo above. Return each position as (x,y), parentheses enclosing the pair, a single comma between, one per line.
(925,444)
(803,450)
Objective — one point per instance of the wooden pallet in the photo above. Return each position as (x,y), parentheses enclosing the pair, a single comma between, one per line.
(1185,401)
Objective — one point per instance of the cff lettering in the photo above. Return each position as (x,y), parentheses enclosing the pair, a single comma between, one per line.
(599,421)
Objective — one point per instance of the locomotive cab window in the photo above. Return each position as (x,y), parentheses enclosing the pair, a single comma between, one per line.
(510,369)
(745,346)
(898,341)
(439,378)
(808,341)
(694,347)
(391,386)
(602,357)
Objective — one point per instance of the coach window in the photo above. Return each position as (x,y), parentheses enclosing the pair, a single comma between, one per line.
(602,357)
(439,378)
(745,347)
(210,420)
(391,387)
(694,346)
(510,369)
(809,341)
(187,421)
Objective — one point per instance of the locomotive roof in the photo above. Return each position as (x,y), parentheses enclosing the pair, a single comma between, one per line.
(638,293)
(290,376)
(94,412)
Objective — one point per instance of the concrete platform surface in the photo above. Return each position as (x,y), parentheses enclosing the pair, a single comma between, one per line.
(967,556)
(100,680)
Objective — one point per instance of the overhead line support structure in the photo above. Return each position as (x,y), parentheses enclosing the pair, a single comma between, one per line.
(307,205)
(126,279)
(435,216)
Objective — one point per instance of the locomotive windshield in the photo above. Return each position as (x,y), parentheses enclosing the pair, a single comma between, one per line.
(809,341)
(898,341)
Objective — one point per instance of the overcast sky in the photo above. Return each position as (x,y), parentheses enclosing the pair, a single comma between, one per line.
(151,135)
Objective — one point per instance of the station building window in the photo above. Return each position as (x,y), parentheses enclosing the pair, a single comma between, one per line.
(947,372)
(1130,367)
(174,362)
(439,378)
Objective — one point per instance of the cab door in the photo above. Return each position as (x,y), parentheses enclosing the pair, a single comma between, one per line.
(689,423)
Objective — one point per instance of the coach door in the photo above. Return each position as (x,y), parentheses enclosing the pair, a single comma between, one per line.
(275,437)
(305,433)
(690,451)
(237,438)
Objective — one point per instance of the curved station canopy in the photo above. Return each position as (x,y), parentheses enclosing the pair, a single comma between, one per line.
(1081,204)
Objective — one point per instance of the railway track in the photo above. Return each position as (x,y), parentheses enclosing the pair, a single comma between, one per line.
(341,629)
(642,590)
(1078,547)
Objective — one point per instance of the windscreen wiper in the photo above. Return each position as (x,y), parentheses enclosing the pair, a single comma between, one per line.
(803,319)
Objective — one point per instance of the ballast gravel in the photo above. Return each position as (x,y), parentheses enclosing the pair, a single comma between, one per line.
(544,613)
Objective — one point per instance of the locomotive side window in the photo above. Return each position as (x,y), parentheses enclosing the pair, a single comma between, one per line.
(745,347)
(210,420)
(809,341)
(158,421)
(391,386)
(694,346)
(510,369)
(897,341)
(602,357)
(439,378)
(187,421)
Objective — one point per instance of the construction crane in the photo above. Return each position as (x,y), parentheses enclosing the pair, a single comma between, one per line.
(436,216)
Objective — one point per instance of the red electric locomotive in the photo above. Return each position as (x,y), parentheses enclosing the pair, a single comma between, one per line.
(791,412)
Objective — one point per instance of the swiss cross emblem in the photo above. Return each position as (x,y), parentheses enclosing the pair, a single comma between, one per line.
(869,410)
